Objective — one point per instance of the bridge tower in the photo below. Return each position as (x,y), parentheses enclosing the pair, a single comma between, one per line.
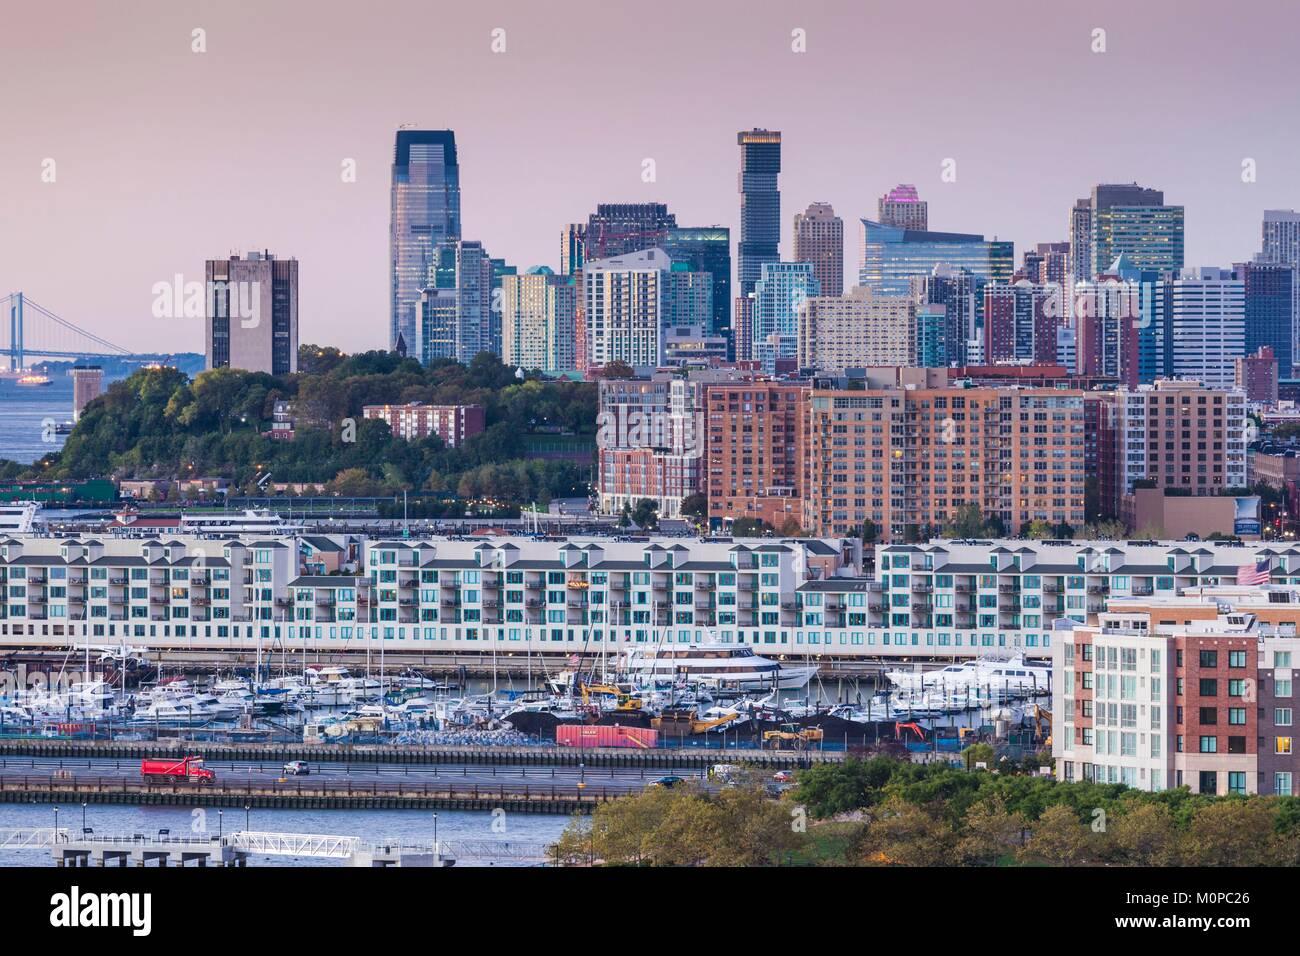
(16,330)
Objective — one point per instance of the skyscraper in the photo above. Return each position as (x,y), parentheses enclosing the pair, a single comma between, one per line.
(1081,240)
(455,307)
(537,320)
(1281,233)
(819,240)
(760,204)
(617,229)
(624,301)
(1271,292)
(251,311)
(891,256)
(1133,221)
(706,249)
(904,208)
(425,211)
(779,296)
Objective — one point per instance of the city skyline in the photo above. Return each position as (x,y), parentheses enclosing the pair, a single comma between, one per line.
(116,220)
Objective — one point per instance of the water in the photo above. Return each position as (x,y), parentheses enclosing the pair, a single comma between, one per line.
(410,826)
(23,409)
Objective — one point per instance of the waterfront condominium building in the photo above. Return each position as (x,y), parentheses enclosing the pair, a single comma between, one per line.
(904,208)
(858,330)
(425,209)
(454,319)
(819,240)
(760,204)
(624,301)
(251,314)
(1181,435)
(908,458)
(891,256)
(1134,221)
(753,447)
(454,424)
(779,295)
(1191,689)
(537,310)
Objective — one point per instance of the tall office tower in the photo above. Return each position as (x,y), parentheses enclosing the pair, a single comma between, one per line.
(1021,323)
(931,335)
(1081,240)
(917,446)
(1133,221)
(87,384)
(858,330)
(499,271)
(1203,313)
(252,313)
(1281,233)
(819,240)
(760,204)
(904,208)
(961,296)
(625,299)
(706,249)
(779,295)
(572,238)
(455,308)
(1272,292)
(425,211)
(618,229)
(891,256)
(537,320)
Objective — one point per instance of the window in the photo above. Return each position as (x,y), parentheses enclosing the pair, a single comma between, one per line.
(1282,716)
(1236,658)
(1209,745)
(1237,716)
(1282,783)
(1209,659)
(1209,687)
(1209,782)
(1209,715)
(1281,745)
(1236,782)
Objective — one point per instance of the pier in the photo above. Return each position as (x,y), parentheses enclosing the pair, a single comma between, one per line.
(68,849)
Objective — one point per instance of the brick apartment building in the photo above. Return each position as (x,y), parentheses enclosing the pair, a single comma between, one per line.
(454,424)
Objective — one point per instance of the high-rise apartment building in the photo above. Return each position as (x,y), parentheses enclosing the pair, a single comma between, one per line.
(1281,236)
(752,451)
(1021,322)
(760,204)
(1081,240)
(1202,314)
(706,249)
(1256,375)
(779,295)
(251,313)
(908,458)
(819,240)
(857,330)
(624,299)
(537,313)
(1133,221)
(425,210)
(454,314)
(903,207)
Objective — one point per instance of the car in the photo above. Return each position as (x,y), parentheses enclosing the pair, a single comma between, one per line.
(667,782)
(297,768)
(783,776)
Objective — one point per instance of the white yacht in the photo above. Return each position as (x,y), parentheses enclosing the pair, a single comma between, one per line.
(982,677)
(18,517)
(249,521)
(725,666)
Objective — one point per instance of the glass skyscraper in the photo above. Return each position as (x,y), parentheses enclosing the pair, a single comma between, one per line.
(779,294)
(760,204)
(706,249)
(425,211)
(892,256)
(1133,221)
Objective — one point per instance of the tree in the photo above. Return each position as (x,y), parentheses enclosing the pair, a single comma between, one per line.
(905,834)
(870,532)
(646,514)
(1107,530)
(830,788)
(969,522)
(1038,530)
(695,506)
(990,834)
(1145,835)
(1059,839)
(1234,832)
(617,370)
(751,528)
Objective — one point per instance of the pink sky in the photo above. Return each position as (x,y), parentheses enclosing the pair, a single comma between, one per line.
(166,157)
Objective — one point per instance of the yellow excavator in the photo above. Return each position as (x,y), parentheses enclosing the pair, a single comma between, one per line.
(623,700)
(1042,717)
(798,738)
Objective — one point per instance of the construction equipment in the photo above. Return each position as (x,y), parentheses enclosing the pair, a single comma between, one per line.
(798,738)
(1042,717)
(913,727)
(624,700)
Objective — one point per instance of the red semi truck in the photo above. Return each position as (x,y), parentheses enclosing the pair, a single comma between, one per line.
(189,769)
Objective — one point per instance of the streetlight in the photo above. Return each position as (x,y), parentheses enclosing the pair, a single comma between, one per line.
(435,834)
(220,830)
(247,810)
(83,818)
(56,824)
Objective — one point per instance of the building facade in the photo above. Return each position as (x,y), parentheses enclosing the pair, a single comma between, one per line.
(537,320)
(251,313)
(857,330)
(454,424)
(819,240)
(760,205)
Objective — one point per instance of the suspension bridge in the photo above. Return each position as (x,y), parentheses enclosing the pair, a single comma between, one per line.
(29,329)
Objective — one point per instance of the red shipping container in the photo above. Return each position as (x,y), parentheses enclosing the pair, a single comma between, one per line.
(592,736)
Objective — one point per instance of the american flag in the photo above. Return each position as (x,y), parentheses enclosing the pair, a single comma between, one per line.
(1256,573)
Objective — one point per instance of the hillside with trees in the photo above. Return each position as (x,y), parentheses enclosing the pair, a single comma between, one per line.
(158,423)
